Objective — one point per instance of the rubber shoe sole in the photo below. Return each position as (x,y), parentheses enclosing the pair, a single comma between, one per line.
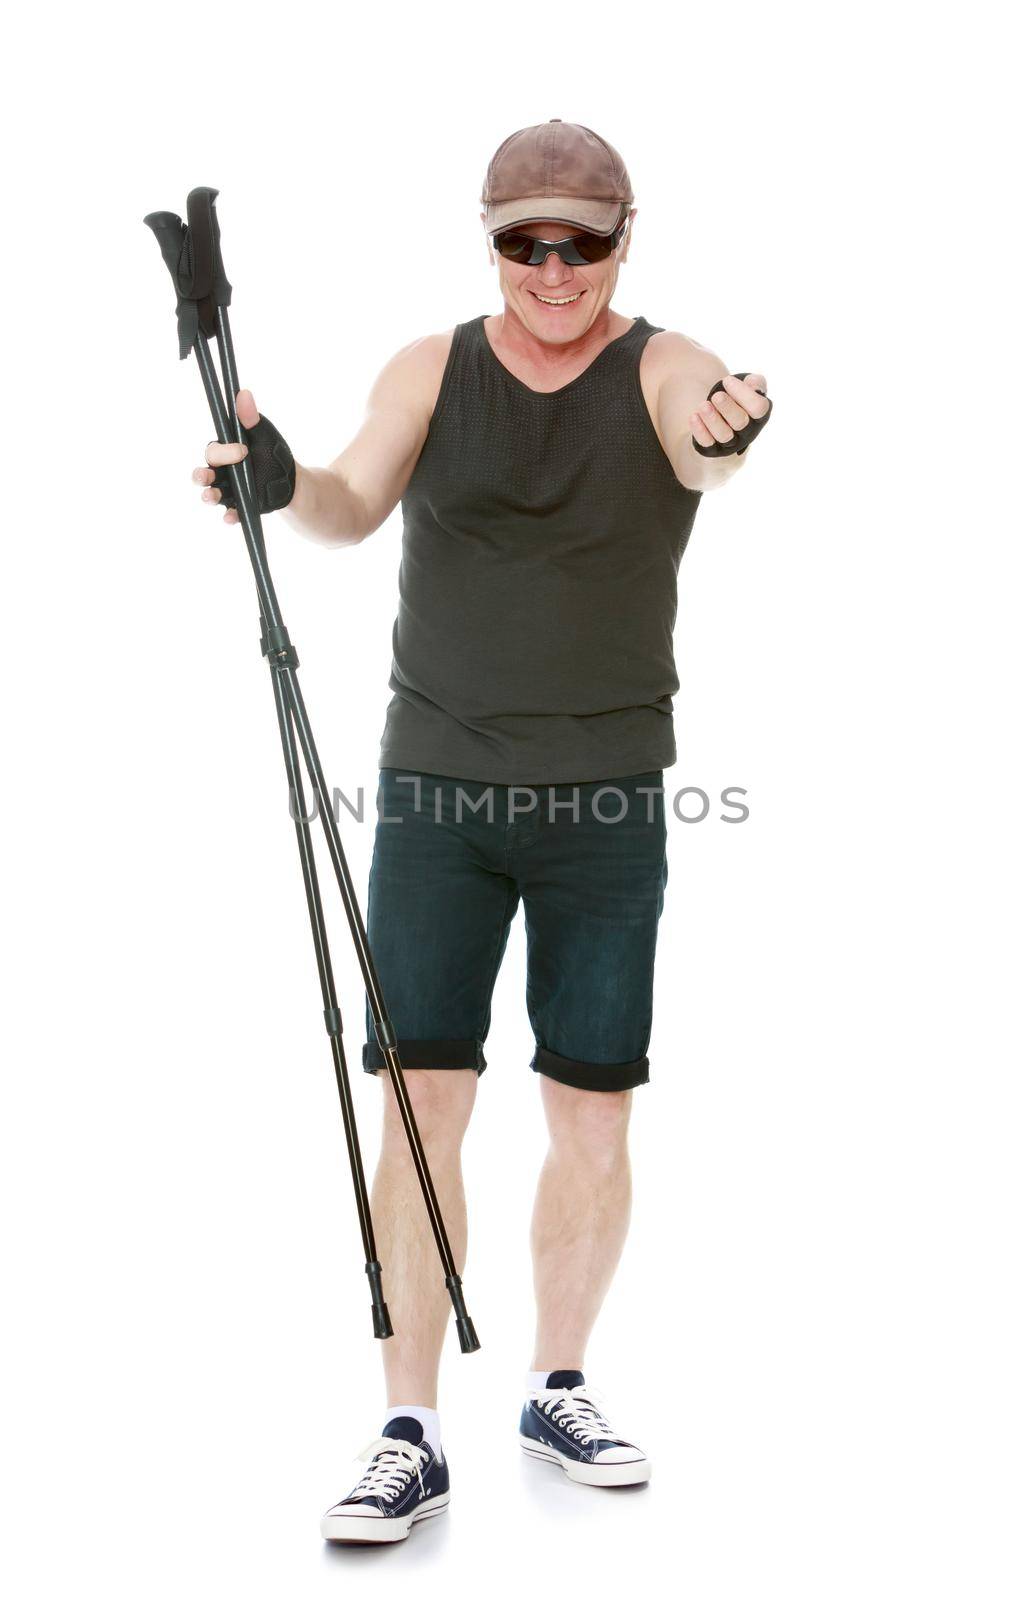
(356,1528)
(610,1477)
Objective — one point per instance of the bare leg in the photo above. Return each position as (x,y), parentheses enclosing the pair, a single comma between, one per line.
(581,1217)
(419,1305)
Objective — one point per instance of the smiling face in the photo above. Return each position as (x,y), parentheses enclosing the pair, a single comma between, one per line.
(557,303)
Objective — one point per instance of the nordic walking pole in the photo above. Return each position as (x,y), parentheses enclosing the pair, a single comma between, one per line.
(284,663)
(192,254)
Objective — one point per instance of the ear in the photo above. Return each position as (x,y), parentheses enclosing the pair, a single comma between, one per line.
(489,247)
(628,236)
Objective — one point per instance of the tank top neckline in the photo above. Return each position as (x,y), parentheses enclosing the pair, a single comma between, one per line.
(548,394)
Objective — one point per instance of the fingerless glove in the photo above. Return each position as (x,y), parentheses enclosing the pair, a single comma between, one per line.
(747,435)
(273,467)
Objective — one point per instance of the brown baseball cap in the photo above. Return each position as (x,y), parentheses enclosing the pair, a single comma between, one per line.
(556,172)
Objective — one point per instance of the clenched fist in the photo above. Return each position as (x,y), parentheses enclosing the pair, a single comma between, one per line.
(732,416)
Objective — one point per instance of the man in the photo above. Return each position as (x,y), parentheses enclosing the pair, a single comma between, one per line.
(550,461)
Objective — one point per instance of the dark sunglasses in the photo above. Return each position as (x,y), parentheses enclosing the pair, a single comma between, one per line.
(578,250)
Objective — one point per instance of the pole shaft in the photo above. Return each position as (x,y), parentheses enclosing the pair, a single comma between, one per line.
(247,515)
(323,960)
(230,381)
(383,1027)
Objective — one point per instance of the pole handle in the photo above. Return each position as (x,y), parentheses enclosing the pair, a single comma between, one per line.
(192,253)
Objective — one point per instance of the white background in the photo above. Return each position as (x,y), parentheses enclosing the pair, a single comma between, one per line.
(820,1324)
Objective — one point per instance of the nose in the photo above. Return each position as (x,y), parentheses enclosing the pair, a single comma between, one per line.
(554,271)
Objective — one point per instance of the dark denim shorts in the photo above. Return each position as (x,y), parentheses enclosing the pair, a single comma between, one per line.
(453,858)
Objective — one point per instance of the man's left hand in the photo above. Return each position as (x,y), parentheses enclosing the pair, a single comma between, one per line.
(727,413)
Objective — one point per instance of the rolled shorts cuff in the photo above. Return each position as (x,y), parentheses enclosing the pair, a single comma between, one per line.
(591,1074)
(432,1053)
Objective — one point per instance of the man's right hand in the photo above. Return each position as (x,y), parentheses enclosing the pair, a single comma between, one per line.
(272,465)
(343,503)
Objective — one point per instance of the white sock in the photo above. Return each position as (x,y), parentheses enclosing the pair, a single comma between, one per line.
(429,1420)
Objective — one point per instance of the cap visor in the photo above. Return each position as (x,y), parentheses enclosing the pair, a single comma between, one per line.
(596,216)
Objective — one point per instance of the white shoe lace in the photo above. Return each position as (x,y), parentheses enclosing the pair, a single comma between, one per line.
(393,1463)
(576,1410)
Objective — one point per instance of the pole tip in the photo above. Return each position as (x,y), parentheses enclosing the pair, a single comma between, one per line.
(467,1335)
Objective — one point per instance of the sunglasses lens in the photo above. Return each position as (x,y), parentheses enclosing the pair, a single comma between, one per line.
(597,247)
(591,247)
(513,246)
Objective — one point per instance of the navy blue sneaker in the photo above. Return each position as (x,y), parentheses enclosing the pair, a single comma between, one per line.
(564,1424)
(405,1483)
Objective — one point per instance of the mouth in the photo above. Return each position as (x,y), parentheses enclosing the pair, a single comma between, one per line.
(557,302)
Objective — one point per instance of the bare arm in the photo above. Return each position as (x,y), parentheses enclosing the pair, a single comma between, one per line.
(682,376)
(346,501)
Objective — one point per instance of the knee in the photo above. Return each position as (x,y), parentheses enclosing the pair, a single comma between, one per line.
(591,1124)
(441,1101)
